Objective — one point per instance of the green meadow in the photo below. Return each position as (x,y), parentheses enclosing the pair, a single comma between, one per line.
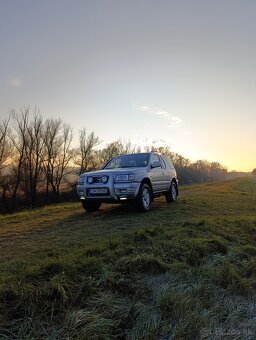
(185,270)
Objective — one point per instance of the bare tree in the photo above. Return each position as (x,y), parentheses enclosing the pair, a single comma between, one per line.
(58,154)
(52,130)
(5,146)
(179,161)
(115,148)
(217,171)
(85,156)
(34,154)
(5,158)
(27,140)
(65,155)
(19,141)
(6,185)
(202,171)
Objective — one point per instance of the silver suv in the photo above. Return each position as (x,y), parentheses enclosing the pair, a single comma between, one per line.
(135,177)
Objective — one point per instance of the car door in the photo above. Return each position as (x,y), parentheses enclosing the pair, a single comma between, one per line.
(166,175)
(156,174)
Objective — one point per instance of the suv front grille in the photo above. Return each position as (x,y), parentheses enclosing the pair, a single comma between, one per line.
(97,179)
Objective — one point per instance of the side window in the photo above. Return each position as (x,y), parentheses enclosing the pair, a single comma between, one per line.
(162,162)
(155,158)
(168,161)
(115,163)
(171,163)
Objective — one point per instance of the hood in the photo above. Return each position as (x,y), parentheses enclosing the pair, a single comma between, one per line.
(112,171)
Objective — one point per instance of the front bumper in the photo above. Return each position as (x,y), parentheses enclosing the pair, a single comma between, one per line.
(116,191)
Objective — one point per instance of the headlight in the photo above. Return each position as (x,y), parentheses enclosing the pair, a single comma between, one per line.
(89,179)
(104,179)
(125,178)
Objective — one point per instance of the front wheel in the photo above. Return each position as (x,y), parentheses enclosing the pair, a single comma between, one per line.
(91,206)
(144,199)
(172,193)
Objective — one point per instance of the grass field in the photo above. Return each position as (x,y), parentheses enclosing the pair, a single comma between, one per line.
(185,270)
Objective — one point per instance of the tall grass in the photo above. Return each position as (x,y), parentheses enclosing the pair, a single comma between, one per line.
(181,271)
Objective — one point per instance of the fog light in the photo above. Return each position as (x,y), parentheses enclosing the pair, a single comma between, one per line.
(104,179)
(90,179)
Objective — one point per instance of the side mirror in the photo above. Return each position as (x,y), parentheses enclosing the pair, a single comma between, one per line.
(156,164)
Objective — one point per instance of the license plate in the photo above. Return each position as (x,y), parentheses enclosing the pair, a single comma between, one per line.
(99,191)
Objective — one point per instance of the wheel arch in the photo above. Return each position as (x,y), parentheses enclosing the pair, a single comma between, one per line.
(148,182)
(176,183)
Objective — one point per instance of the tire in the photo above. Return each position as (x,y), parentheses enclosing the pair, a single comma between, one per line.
(172,194)
(91,206)
(144,199)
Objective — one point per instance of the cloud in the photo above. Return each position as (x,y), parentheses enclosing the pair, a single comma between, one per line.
(160,143)
(15,82)
(174,120)
(147,142)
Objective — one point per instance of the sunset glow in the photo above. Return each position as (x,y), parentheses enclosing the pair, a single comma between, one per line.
(171,73)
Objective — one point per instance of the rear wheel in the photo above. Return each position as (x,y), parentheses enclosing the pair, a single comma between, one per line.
(144,199)
(91,206)
(172,193)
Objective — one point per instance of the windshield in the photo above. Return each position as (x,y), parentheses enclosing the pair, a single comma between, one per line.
(128,161)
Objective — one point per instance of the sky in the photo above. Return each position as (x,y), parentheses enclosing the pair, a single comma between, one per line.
(170,73)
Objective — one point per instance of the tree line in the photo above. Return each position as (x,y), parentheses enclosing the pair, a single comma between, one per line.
(39,163)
